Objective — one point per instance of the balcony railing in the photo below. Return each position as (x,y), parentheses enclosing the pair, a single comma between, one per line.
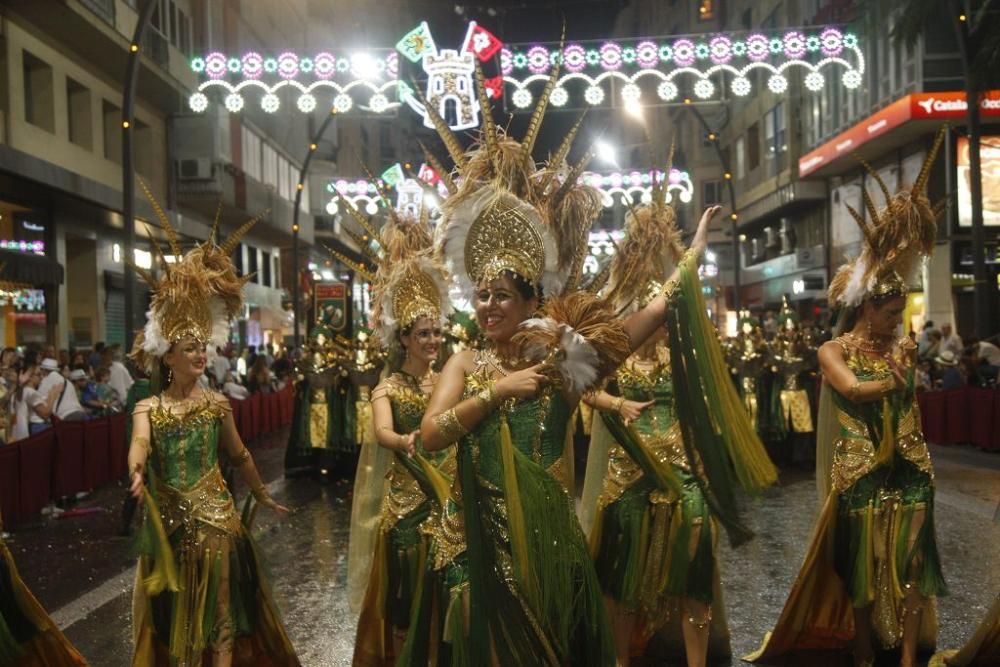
(103,8)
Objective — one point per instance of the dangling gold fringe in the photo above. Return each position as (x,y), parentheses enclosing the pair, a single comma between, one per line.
(515,514)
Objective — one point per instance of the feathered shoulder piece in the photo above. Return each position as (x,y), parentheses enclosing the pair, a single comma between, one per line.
(651,249)
(506,214)
(894,241)
(580,335)
(194,297)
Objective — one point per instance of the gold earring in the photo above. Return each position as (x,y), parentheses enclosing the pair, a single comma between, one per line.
(170,375)
(869,329)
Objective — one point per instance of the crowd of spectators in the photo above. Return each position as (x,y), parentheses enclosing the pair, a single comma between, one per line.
(946,362)
(39,383)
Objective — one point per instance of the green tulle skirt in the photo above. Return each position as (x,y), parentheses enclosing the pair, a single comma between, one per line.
(884,543)
(653,547)
(398,567)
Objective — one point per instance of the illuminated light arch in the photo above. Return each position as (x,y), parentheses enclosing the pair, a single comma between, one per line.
(698,66)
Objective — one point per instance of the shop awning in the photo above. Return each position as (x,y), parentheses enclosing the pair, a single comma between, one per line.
(34,270)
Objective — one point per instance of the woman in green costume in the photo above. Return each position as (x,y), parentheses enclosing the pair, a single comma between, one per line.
(872,572)
(399,477)
(28,637)
(652,532)
(201,596)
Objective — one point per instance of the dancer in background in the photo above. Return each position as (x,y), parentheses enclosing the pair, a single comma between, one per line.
(652,530)
(398,483)
(872,572)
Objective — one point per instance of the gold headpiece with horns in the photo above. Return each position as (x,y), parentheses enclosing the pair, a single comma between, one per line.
(408,284)
(893,242)
(196,296)
(651,248)
(506,214)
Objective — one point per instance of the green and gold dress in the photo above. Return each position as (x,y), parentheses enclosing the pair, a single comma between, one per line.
(202,589)
(509,537)
(401,544)
(874,540)
(28,637)
(654,546)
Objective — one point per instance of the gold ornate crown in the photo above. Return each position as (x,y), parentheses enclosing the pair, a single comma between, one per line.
(196,296)
(894,240)
(506,214)
(407,284)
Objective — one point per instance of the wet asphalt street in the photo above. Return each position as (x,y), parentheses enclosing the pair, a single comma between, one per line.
(82,571)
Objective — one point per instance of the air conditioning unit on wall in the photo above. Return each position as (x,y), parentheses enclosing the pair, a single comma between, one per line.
(195,169)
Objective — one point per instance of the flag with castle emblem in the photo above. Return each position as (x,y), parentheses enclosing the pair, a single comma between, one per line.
(480,41)
(393,175)
(417,43)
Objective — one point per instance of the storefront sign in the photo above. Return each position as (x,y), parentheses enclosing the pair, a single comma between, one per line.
(918,106)
(330,301)
(989,155)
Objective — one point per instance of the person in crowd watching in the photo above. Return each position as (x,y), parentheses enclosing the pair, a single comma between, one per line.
(952,376)
(242,366)
(29,411)
(105,392)
(220,366)
(933,345)
(67,406)
(8,358)
(922,376)
(79,360)
(120,379)
(985,358)
(924,339)
(950,340)
(86,392)
(232,389)
(259,378)
(94,360)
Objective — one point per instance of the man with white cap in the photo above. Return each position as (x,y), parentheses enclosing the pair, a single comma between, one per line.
(67,407)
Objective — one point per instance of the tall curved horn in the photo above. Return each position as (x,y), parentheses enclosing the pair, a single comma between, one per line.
(535,123)
(451,142)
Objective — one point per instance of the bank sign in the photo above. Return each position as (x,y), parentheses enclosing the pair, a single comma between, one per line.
(918,106)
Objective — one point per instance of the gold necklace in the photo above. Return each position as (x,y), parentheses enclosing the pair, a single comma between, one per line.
(498,363)
(868,345)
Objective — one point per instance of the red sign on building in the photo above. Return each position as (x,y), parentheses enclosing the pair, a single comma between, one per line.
(918,106)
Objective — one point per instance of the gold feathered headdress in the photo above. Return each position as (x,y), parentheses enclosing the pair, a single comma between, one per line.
(651,249)
(408,283)
(893,242)
(507,214)
(195,297)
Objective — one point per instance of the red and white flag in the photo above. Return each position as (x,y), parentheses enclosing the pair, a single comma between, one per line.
(482,42)
(494,87)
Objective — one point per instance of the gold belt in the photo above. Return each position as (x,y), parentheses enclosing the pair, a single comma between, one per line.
(207,502)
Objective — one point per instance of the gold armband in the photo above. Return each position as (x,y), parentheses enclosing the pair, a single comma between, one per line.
(449,427)
(617,403)
(139,441)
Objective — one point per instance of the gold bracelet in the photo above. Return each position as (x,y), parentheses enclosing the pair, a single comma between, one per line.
(669,289)
(617,403)
(449,427)
(852,393)
(487,398)
(888,385)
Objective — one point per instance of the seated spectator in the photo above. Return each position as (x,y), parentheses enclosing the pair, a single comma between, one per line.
(86,392)
(105,392)
(922,376)
(952,375)
(67,406)
(924,341)
(933,346)
(950,340)
(8,358)
(29,410)
(259,379)
(233,390)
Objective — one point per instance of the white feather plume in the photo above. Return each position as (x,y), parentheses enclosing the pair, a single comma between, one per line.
(856,288)
(577,361)
(153,341)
